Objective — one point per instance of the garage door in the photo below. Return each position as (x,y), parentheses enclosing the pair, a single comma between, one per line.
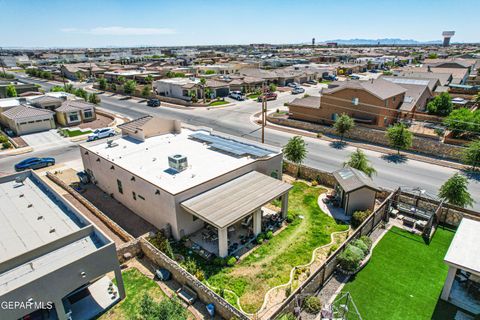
(34,126)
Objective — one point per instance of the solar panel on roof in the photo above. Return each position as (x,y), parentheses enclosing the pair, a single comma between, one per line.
(230,146)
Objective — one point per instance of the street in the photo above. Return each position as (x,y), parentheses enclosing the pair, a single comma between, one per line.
(236,120)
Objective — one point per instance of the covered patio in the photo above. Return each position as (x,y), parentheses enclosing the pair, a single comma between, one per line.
(234,210)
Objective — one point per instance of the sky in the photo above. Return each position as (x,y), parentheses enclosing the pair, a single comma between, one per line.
(104,23)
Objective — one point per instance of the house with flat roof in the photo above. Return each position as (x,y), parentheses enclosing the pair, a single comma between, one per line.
(188,178)
(462,286)
(53,260)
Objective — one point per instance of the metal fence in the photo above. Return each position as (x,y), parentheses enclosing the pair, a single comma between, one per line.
(320,277)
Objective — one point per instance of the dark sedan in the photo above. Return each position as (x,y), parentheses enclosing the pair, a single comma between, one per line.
(34,163)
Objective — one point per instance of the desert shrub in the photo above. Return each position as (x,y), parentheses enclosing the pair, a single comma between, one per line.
(319,134)
(358,217)
(312,304)
(361,245)
(200,275)
(260,238)
(217,261)
(314,183)
(3,139)
(332,249)
(367,241)
(162,243)
(6,145)
(288,291)
(287,316)
(350,258)
(269,234)
(191,266)
(231,261)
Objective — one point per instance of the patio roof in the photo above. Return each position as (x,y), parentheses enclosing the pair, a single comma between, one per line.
(461,253)
(234,200)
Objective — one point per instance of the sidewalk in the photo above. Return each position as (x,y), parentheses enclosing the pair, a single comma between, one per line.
(362,145)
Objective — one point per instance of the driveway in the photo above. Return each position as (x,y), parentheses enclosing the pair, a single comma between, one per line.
(45,140)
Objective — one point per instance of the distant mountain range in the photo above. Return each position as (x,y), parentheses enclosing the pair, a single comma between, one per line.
(388,41)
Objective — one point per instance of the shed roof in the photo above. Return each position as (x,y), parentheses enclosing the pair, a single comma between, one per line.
(351,179)
(234,200)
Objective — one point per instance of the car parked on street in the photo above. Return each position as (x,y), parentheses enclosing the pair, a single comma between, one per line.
(237,95)
(298,90)
(153,103)
(268,96)
(293,85)
(101,133)
(354,77)
(34,163)
(311,82)
(330,77)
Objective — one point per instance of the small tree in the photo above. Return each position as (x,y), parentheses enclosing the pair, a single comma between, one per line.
(113,86)
(121,79)
(149,79)
(399,137)
(129,86)
(102,83)
(203,82)
(81,93)
(296,151)
(93,98)
(343,124)
(358,160)
(146,91)
(441,105)
(471,154)
(272,87)
(455,191)
(11,91)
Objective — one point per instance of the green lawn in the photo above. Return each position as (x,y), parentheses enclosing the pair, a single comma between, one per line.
(136,285)
(270,264)
(218,103)
(75,133)
(253,96)
(404,277)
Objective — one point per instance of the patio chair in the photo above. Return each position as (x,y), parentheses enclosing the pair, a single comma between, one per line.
(247,221)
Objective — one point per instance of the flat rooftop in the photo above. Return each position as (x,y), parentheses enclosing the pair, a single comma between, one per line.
(463,251)
(149,159)
(31,217)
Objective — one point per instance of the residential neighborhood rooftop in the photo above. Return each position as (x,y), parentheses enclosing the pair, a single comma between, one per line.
(149,159)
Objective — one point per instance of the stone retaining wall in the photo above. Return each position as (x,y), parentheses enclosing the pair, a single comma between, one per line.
(419,144)
(132,248)
(205,294)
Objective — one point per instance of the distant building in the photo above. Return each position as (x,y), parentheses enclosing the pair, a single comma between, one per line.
(52,259)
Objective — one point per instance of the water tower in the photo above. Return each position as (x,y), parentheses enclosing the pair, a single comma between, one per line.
(447,35)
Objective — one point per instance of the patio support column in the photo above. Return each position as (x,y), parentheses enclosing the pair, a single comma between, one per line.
(448,283)
(284,205)
(60,309)
(257,221)
(222,243)
(118,277)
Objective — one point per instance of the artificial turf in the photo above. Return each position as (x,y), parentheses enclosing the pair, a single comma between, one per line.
(404,277)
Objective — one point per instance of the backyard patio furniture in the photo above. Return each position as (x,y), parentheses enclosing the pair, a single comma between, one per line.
(246,223)
(420,224)
(409,222)
(187,294)
(393,212)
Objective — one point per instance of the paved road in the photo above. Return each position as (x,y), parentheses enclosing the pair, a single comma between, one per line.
(235,120)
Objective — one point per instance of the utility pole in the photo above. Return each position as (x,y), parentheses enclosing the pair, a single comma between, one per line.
(264,111)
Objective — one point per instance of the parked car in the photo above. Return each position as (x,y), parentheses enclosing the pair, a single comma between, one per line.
(34,163)
(153,103)
(354,77)
(237,95)
(101,133)
(330,78)
(268,96)
(311,82)
(373,71)
(293,85)
(298,90)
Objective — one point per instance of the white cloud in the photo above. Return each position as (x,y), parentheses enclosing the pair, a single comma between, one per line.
(120,31)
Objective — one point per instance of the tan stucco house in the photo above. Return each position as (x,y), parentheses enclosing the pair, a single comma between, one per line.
(74,112)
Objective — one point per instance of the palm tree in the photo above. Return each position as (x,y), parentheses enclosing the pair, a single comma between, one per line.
(295,151)
(202,83)
(358,160)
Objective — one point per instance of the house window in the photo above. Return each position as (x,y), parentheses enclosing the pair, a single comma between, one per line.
(355,101)
(88,114)
(120,187)
(72,117)
(134,195)
(386,103)
(141,197)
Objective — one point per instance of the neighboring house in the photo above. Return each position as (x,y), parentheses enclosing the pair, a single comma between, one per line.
(245,84)
(462,285)
(85,70)
(25,119)
(20,87)
(179,88)
(53,260)
(137,75)
(219,89)
(187,178)
(74,112)
(419,93)
(354,190)
(373,102)
(46,102)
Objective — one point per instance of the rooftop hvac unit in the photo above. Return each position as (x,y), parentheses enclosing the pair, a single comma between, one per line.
(178,162)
